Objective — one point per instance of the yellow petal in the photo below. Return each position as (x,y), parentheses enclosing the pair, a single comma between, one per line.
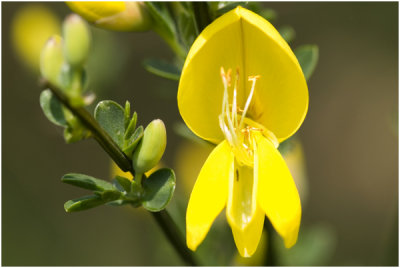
(93,10)
(209,194)
(116,16)
(277,193)
(242,39)
(259,256)
(244,215)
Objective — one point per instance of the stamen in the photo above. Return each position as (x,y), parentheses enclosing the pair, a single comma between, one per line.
(246,107)
(240,134)
(234,101)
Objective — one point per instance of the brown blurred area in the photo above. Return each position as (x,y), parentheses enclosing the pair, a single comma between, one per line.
(350,139)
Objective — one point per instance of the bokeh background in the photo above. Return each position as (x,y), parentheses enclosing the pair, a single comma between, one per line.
(349,140)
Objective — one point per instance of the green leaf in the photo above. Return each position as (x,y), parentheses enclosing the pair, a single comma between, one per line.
(75,131)
(133,141)
(124,183)
(186,28)
(158,189)
(288,33)
(307,56)
(87,182)
(127,114)
(131,127)
(162,18)
(111,117)
(52,108)
(108,195)
(162,68)
(75,134)
(83,203)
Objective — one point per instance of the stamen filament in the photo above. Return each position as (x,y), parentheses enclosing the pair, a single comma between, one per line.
(248,101)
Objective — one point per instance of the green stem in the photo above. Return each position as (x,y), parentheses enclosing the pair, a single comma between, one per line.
(271,251)
(163,218)
(102,137)
(201,15)
(170,229)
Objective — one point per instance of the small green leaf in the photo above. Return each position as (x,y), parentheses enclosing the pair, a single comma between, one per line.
(108,195)
(162,18)
(83,203)
(162,68)
(75,131)
(158,189)
(133,141)
(87,182)
(72,135)
(186,28)
(307,56)
(127,114)
(131,127)
(111,117)
(52,108)
(288,33)
(124,183)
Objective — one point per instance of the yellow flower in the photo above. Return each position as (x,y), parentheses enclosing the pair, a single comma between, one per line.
(247,114)
(114,15)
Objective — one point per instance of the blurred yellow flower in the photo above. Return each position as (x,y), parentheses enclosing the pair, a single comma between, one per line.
(31,27)
(263,103)
(188,161)
(295,160)
(114,15)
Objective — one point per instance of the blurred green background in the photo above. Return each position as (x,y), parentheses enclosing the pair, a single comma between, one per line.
(349,138)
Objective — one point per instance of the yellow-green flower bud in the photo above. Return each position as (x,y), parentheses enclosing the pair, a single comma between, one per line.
(77,40)
(51,60)
(116,16)
(151,147)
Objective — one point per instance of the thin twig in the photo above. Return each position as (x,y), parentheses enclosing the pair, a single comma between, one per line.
(163,218)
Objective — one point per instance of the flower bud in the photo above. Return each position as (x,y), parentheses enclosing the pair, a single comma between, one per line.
(77,40)
(116,16)
(51,60)
(151,147)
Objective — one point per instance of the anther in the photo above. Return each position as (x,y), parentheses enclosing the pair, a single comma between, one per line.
(254,78)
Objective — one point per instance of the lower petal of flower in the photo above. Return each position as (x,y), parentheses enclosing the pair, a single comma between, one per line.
(245,217)
(209,194)
(277,192)
(247,239)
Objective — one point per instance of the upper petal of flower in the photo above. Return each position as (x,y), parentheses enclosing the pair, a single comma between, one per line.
(242,40)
